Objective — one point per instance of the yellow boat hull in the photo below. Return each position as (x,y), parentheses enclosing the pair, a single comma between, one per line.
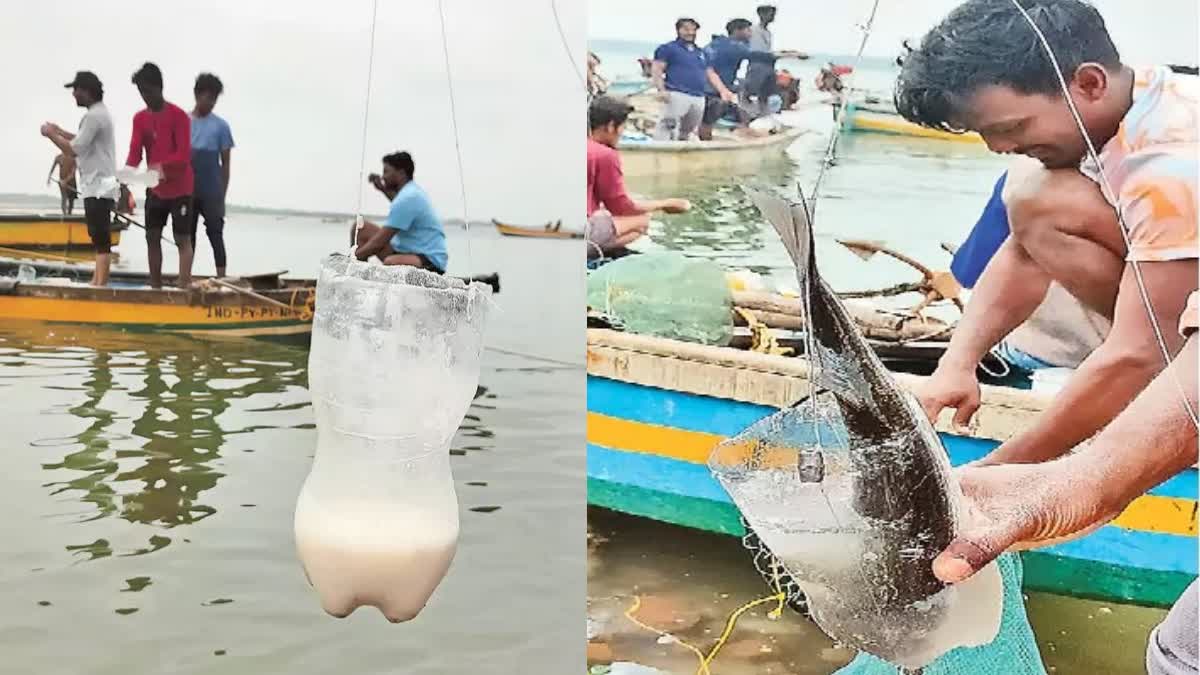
(195,312)
(46,231)
(865,120)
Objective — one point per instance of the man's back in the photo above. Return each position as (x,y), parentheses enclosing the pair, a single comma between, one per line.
(418,228)
(605,181)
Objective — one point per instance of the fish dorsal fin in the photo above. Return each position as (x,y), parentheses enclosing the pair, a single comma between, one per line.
(792,222)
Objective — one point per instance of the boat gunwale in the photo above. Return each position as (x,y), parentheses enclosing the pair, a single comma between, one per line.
(684,147)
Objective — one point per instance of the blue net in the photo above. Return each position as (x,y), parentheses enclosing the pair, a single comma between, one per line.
(1013,652)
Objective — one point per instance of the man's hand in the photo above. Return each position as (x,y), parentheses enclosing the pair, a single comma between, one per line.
(676,205)
(47,129)
(663,95)
(950,386)
(728,96)
(1019,506)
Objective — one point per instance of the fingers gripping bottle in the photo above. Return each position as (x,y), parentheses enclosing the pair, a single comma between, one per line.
(393,368)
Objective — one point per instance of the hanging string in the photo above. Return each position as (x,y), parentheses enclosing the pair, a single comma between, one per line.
(1111,195)
(831,149)
(566,46)
(462,183)
(362,154)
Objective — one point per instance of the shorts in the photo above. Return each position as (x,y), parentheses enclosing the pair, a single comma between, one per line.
(714,109)
(157,210)
(601,233)
(98,214)
(426,263)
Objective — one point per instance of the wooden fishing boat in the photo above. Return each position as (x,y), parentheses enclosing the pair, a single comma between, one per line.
(657,407)
(881,119)
(263,305)
(45,230)
(548,231)
(726,154)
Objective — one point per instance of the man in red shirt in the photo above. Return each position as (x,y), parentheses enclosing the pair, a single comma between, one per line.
(614,220)
(163,131)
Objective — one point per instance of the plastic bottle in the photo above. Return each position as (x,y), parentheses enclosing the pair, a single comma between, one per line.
(393,368)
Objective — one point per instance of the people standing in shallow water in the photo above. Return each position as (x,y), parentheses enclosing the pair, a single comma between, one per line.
(94,149)
(412,234)
(212,143)
(162,132)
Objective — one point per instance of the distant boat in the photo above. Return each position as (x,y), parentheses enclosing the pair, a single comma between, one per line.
(547,231)
(50,230)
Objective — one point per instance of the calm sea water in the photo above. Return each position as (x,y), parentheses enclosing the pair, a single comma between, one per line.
(908,193)
(150,482)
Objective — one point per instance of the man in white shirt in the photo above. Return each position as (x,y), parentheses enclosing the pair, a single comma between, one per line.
(94,151)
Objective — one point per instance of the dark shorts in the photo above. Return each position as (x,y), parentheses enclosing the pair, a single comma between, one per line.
(158,209)
(760,81)
(714,109)
(98,214)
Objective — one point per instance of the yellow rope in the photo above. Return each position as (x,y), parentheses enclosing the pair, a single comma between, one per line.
(780,597)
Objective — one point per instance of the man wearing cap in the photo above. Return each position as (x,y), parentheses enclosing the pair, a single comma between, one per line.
(94,151)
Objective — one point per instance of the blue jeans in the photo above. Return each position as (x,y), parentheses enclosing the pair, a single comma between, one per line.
(1019,359)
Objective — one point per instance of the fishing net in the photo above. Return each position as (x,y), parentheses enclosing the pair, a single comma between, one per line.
(666,295)
(1013,652)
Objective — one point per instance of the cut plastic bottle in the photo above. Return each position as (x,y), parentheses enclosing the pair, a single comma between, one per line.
(393,368)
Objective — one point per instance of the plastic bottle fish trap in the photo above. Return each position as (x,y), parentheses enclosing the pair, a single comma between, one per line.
(800,485)
(393,368)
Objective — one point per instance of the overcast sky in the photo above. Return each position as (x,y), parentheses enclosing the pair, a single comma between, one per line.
(1168,34)
(295,77)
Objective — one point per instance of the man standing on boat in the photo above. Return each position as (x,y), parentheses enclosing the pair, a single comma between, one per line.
(212,142)
(613,219)
(413,233)
(760,84)
(680,73)
(162,132)
(94,150)
(725,55)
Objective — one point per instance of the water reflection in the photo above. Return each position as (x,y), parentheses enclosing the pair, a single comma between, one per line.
(154,404)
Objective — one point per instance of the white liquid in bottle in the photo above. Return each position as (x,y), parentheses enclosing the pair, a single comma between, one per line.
(393,368)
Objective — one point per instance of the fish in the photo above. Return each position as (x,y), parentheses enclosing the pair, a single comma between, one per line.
(850,489)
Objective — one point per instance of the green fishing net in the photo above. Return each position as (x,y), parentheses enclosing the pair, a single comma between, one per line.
(665,294)
(1013,652)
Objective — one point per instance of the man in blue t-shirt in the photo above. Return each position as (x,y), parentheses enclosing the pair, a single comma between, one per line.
(412,234)
(680,73)
(212,142)
(725,55)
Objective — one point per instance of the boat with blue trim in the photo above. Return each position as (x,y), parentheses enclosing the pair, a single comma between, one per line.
(657,407)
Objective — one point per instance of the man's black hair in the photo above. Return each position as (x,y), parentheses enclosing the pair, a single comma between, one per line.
(763,10)
(605,110)
(679,23)
(989,42)
(735,25)
(209,83)
(149,75)
(402,161)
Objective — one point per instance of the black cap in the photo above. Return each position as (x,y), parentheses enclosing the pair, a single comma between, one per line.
(86,79)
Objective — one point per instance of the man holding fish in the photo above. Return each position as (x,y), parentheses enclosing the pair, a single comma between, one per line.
(984,68)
